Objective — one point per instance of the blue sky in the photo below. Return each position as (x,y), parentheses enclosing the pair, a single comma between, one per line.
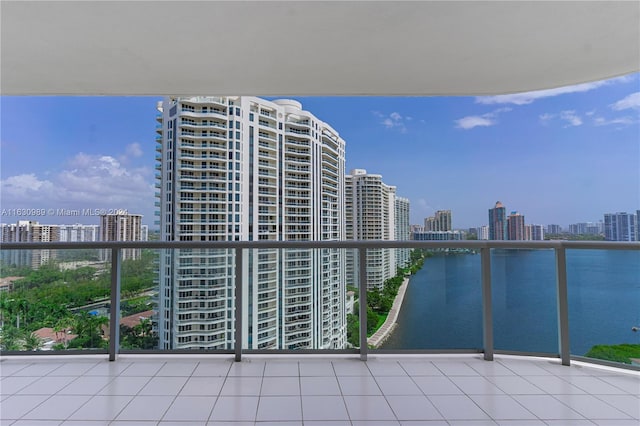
(557,156)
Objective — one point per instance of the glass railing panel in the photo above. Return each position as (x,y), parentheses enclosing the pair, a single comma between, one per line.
(604,304)
(193,298)
(442,306)
(140,312)
(54,300)
(296,299)
(525,315)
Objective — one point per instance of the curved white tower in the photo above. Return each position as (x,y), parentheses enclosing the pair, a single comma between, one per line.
(246,169)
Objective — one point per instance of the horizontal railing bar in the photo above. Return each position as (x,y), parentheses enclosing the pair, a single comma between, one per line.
(351,244)
(176,352)
(605,362)
(525,353)
(424,351)
(58,352)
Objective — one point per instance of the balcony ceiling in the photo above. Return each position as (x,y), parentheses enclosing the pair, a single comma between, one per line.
(313,48)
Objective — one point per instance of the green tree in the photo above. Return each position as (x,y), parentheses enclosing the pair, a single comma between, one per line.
(353,330)
(372,321)
(32,342)
(10,338)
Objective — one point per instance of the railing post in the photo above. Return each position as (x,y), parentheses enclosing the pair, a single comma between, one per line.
(238,307)
(563,305)
(114,310)
(362,290)
(238,310)
(487,307)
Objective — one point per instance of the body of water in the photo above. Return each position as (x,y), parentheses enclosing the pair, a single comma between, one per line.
(442,308)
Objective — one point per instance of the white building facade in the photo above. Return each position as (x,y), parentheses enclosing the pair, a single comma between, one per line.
(620,226)
(247,169)
(79,233)
(32,232)
(371,215)
(403,230)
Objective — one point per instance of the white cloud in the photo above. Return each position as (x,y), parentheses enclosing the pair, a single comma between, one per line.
(630,101)
(89,181)
(134,150)
(529,97)
(395,116)
(470,122)
(546,117)
(623,121)
(571,117)
(25,186)
(393,121)
(484,120)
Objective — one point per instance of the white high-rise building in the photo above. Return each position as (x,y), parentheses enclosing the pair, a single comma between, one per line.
(79,233)
(534,232)
(403,230)
(370,205)
(620,226)
(33,232)
(245,169)
(482,232)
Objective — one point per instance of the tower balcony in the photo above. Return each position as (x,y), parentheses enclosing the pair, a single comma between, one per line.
(513,356)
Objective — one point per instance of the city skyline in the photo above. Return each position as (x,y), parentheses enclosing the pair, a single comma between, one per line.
(442,153)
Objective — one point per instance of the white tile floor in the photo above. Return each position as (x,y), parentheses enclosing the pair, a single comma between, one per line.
(452,390)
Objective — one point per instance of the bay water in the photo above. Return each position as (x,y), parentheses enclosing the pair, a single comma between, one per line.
(442,308)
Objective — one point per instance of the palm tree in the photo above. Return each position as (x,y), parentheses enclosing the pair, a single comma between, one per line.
(10,338)
(61,328)
(32,342)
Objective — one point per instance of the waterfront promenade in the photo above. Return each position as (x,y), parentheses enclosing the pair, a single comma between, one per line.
(389,324)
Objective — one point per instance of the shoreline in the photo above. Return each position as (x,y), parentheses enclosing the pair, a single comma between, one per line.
(389,324)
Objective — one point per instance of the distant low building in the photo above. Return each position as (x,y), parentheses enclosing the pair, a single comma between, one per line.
(50,337)
(6,283)
(554,229)
(437,236)
(135,319)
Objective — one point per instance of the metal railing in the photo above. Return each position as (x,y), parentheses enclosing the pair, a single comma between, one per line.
(559,246)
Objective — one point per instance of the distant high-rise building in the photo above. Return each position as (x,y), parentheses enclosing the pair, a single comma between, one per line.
(79,233)
(32,232)
(620,226)
(121,227)
(515,227)
(554,229)
(403,231)
(482,232)
(441,221)
(370,205)
(534,232)
(498,222)
(430,224)
(585,228)
(443,218)
(416,228)
(242,168)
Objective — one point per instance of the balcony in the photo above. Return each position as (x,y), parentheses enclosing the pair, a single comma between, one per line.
(292,390)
